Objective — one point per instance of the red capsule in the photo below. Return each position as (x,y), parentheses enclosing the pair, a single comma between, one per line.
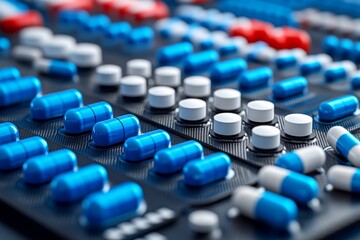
(16,23)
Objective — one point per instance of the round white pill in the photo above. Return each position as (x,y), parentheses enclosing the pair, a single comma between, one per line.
(35,36)
(227,99)
(203,221)
(168,76)
(108,75)
(161,97)
(265,137)
(86,55)
(192,109)
(298,125)
(133,86)
(260,111)
(227,124)
(59,46)
(197,86)
(140,67)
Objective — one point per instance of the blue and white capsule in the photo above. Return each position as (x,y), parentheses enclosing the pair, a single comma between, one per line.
(345,143)
(290,88)
(200,62)
(303,160)
(211,168)
(55,105)
(57,68)
(227,70)
(8,133)
(171,160)
(339,71)
(196,34)
(255,78)
(232,46)
(120,203)
(115,130)
(73,186)
(43,168)
(19,90)
(314,64)
(80,120)
(259,52)
(171,28)
(213,40)
(338,108)
(144,146)
(289,59)
(14,154)
(174,54)
(344,178)
(288,183)
(267,207)
(9,73)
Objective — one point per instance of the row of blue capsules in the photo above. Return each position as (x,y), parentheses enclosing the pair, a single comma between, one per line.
(100,28)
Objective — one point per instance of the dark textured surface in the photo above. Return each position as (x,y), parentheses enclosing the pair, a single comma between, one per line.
(33,205)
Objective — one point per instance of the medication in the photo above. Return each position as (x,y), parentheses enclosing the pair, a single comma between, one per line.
(338,108)
(227,70)
(56,68)
(344,178)
(289,88)
(9,73)
(255,78)
(8,133)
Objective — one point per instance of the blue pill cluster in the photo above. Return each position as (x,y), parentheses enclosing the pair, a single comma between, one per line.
(342,49)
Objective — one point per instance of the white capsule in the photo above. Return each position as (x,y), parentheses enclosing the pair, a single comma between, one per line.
(140,67)
(227,124)
(24,53)
(133,86)
(197,86)
(161,97)
(303,160)
(260,111)
(298,125)
(265,137)
(168,76)
(59,46)
(227,99)
(108,75)
(192,109)
(344,178)
(86,55)
(35,36)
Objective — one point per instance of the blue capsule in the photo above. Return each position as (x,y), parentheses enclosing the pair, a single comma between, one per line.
(200,62)
(355,55)
(8,133)
(55,104)
(19,90)
(330,45)
(71,19)
(118,32)
(227,70)
(345,49)
(255,78)
(79,120)
(140,37)
(338,108)
(115,130)
(211,168)
(339,71)
(72,186)
(14,154)
(4,44)
(56,68)
(120,203)
(289,88)
(288,183)
(9,73)
(174,54)
(44,168)
(171,160)
(289,59)
(96,24)
(145,146)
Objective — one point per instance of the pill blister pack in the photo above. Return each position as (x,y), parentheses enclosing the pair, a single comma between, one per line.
(167,125)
